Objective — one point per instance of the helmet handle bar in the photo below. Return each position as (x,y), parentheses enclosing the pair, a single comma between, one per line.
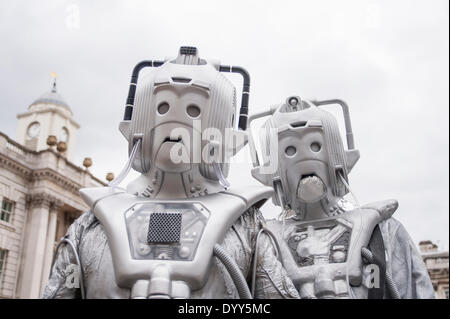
(132,90)
(348,124)
(271,110)
(251,140)
(243,113)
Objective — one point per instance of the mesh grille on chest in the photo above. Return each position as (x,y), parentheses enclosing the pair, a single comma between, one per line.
(164,228)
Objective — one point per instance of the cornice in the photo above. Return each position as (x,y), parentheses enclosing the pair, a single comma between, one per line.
(43,199)
(57,178)
(26,171)
(15,166)
(50,110)
(40,174)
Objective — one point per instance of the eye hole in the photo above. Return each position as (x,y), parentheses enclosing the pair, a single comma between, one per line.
(316,147)
(163,108)
(290,151)
(193,110)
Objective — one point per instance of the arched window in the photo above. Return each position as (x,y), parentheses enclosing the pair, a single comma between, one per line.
(64,135)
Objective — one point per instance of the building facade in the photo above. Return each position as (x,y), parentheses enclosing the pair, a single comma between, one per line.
(38,193)
(437,265)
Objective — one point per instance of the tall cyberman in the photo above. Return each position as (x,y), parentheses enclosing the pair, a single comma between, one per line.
(177,231)
(331,247)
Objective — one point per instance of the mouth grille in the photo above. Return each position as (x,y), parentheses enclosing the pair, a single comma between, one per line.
(164,228)
(174,140)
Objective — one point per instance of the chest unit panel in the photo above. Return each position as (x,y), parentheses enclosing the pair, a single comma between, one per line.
(320,242)
(165,231)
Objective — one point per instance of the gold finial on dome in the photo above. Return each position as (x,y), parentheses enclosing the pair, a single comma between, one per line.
(53,75)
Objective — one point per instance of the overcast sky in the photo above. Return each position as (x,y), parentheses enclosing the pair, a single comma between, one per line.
(387,59)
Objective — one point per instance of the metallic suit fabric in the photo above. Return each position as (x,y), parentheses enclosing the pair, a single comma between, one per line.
(404,262)
(90,239)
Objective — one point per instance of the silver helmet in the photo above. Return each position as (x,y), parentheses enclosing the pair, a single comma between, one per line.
(180,112)
(312,163)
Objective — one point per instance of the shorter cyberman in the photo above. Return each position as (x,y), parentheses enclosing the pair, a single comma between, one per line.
(157,238)
(330,247)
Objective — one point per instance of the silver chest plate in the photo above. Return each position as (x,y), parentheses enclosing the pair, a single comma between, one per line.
(323,257)
(161,243)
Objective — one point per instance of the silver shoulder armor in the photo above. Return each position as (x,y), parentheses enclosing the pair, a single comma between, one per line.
(167,245)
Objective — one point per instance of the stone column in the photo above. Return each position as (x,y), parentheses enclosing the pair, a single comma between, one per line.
(35,244)
(49,244)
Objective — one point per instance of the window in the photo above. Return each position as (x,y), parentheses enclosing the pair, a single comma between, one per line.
(3,254)
(64,135)
(7,210)
(446,292)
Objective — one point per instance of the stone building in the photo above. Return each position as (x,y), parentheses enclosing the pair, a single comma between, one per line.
(437,265)
(38,193)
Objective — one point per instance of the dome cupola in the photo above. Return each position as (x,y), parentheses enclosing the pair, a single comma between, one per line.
(48,99)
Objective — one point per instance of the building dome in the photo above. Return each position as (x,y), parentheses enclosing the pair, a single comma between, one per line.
(51,97)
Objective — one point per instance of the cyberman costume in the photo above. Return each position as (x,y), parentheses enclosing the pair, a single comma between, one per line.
(157,238)
(330,247)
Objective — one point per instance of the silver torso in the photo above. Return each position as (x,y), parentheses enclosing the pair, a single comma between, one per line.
(166,261)
(323,256)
